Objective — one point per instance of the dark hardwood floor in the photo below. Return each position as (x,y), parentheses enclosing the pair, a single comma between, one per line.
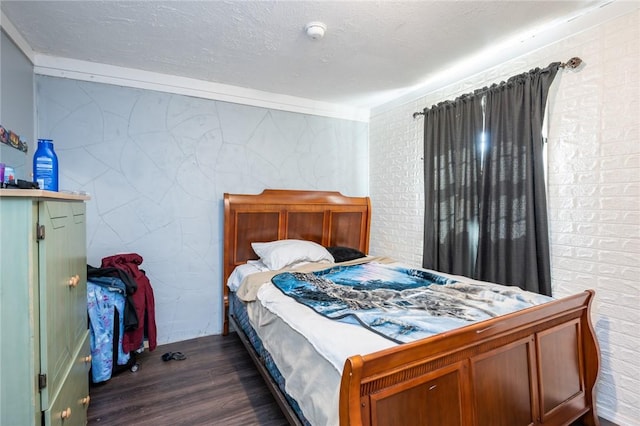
(217,384)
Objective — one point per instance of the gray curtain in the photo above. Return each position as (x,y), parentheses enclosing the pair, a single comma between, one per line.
(485,200)
(513,242)
(452,161)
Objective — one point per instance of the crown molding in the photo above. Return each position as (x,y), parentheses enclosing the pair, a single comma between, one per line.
(103,73)
(128,77)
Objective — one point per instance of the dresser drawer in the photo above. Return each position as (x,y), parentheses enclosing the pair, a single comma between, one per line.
(69,407)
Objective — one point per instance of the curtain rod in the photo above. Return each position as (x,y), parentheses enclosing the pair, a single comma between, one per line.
(572,63)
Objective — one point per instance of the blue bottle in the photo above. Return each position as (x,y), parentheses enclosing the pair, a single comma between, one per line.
(45,165)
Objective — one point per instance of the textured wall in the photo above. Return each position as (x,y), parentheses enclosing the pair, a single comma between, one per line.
(594,188)
(156,166)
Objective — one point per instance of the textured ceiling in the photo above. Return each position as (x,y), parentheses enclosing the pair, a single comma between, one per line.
(371,50)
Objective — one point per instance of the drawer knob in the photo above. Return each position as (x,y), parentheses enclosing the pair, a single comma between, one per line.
(86,400)
(74,280)
(65,413)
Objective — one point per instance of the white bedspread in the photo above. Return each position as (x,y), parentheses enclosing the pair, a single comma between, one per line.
(310,379)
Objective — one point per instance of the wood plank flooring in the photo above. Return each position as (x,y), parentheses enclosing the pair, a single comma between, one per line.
(217,384)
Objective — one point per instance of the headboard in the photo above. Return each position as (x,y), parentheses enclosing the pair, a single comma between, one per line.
(327,218)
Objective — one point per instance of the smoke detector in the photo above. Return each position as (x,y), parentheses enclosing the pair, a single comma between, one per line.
(315,30)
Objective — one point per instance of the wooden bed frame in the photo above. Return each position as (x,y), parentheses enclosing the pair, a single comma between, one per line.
(537,366)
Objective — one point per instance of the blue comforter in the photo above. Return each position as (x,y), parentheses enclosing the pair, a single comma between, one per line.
(399,303)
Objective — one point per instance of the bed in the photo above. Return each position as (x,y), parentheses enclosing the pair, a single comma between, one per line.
(536,366)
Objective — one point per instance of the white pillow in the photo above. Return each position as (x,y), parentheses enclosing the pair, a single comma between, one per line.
(279,254)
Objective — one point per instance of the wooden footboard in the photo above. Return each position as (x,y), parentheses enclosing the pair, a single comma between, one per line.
(533,367)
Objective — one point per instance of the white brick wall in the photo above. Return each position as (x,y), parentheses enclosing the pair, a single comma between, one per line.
(594,189)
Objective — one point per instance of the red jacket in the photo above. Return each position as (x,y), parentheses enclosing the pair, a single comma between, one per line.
(143,300)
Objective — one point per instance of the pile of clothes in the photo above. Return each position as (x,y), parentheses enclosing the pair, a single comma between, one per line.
(121,309)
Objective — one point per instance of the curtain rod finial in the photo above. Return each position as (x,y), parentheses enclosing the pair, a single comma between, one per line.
(416,114)
(572,63)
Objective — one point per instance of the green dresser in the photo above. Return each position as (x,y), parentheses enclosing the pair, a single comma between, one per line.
(44,341)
